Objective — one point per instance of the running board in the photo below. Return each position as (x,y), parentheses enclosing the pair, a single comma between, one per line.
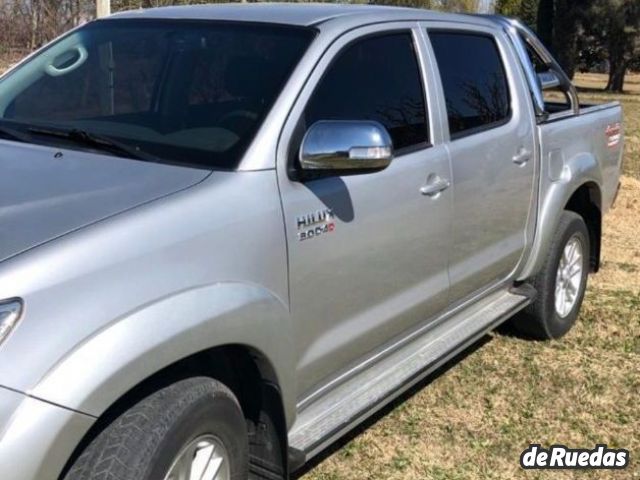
(329,417)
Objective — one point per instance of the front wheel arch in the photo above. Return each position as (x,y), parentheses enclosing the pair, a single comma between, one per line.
(155,437)
(246,372)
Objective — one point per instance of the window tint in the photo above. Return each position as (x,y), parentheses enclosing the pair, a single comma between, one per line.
(124,68)
(377,78)
(474,81)
(186,92)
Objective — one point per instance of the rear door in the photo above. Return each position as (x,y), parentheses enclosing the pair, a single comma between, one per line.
(491,139)
(378,266)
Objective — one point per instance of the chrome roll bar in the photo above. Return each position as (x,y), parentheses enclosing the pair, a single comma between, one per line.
(519,33)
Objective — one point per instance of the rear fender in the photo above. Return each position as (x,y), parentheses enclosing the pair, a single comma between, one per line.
(561,179)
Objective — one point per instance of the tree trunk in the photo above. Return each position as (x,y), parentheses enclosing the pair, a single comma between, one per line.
(565,35)
(545,22)
(103,8)
(35,24)
(617,49)
(617,72)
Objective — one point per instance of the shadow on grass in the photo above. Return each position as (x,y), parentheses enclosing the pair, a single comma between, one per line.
(602,91)
(384,411)
(590,90)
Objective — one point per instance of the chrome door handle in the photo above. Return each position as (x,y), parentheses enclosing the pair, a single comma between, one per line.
(522,157)
(435,186)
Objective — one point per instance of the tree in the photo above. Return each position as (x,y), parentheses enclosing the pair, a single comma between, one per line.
(31,23)
(556,21)
(529,12)
(616,25)
(458,5)
(567,18)
(525,10)
(508,8)
(103,8)
(612,26)
(544,22)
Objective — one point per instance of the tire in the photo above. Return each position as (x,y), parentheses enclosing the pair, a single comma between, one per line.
(543,320)
(145,441)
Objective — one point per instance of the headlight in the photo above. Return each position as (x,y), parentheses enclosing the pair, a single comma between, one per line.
(9,315)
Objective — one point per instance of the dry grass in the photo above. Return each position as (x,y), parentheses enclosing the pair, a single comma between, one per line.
(590,84)
(473,420)
(9,59)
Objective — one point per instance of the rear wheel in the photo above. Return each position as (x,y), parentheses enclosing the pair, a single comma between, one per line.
(561,283)
(193,429)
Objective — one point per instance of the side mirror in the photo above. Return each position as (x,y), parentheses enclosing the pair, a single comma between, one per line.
(548,80)
(345,148)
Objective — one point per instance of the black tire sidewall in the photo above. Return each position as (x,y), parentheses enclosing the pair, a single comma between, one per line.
(218,415)
(555,325)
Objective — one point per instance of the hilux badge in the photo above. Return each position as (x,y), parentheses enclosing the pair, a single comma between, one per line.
(314,224)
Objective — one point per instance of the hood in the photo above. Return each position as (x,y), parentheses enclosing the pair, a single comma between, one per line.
(47,192)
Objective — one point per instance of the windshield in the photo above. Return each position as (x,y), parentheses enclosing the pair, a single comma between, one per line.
(183,91)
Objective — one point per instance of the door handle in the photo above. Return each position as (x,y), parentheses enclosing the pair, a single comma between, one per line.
(434,186)
(522,157)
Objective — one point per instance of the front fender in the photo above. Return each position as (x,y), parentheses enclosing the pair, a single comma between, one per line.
(560,179)
(127,351)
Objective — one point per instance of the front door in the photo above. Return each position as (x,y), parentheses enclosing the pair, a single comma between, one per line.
(367,253)
(492,147)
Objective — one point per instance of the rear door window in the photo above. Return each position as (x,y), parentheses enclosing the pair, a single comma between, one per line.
(474,81)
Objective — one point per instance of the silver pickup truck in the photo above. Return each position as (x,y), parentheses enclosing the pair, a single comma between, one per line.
(228,234)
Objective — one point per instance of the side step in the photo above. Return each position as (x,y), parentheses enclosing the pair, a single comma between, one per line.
(329,417)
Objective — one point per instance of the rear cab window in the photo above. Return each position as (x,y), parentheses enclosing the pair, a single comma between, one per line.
(474,81)
(555,99)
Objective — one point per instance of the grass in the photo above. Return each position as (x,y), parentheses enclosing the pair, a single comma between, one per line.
(473,419)
(8,59)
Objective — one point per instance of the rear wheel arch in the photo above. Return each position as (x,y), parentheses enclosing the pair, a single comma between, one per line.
(560,284)
(586,201)
(244,370)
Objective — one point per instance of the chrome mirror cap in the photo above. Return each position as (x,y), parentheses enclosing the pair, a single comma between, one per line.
(338,145)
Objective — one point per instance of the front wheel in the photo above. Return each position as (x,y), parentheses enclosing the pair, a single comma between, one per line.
(193,429)
(561,283)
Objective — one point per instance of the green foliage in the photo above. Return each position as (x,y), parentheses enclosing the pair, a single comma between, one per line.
(529,12)
(458,5)
(509,8)
(525,10)
(613,26)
